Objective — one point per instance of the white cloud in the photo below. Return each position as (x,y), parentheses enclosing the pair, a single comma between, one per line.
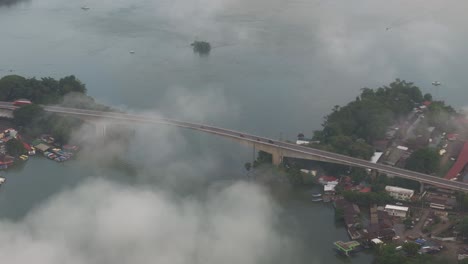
(104,222)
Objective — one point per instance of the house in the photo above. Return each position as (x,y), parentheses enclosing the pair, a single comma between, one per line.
(398,193)
(394,210)
(395,155)
(329,189)
(452,137)
(375,158)
(328,180)
(42,147)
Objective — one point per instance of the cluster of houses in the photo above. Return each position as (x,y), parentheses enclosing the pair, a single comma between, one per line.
(46,145)
(7,160)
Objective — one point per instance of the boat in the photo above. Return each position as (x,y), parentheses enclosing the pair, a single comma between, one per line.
(316,195)
(132,52)
(317,200)
(2,180)
(85,8)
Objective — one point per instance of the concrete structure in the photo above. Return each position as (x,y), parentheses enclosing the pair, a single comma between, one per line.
(375,158)
(398,193)
(346,247)
(302,142)
(394,210)
(278,149)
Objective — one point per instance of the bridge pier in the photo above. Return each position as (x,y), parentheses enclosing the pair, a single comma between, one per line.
(277,159)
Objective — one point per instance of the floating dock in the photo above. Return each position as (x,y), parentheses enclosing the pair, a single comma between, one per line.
(347,247)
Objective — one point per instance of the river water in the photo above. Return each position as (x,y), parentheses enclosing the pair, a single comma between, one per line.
(277,67)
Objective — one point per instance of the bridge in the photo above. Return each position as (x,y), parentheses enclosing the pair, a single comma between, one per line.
(277,149)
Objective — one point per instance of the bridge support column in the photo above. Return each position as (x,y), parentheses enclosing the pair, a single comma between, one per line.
(421,187)
(276,158)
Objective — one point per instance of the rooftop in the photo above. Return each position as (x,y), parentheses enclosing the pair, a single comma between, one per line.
(459,164)
(396,207)
(389,188)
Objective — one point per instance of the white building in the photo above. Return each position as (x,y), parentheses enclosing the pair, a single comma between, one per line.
(329,188)
(394,210)
(302,142)
(398,193)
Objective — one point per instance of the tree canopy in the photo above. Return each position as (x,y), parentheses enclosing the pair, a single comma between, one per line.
(463,227)
(26,114)
(68,90)
(201,47)
(351,129)
(15,147)
(425,160)
(411,248)
(43,91)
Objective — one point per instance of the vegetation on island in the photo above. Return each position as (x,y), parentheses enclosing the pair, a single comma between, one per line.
(31,119)
(351,129)
(201,47)
(15,147)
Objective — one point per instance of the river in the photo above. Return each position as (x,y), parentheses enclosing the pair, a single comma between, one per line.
(276,68)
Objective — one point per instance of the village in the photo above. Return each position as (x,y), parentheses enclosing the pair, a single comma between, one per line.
(428,217)
(15,149)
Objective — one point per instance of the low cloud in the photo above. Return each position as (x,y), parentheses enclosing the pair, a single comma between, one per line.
(104,222)
(11,2)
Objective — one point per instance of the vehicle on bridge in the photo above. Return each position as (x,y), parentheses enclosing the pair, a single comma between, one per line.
(21,102)
(271,142)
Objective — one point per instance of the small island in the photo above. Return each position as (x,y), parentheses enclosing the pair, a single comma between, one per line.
(201,47)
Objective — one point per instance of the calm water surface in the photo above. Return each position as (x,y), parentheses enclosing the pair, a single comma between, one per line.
(277,67)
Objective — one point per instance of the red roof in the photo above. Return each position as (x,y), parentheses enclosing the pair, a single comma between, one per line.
(27,146)
(427,103)
(462,160)
(452,136)
(365,190)
(328,178)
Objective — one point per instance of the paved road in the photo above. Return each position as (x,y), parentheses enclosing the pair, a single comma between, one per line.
(454,185)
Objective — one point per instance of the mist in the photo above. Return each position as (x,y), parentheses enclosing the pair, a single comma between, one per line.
(104,222)
(177,207)
(8,3)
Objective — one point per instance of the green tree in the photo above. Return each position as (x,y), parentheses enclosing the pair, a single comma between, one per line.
(425,160)
(339,214)
(248,166)
(387,254)
(201,47)
(428,97)
(14,147)
(27,114)
(462,227)
(263,158)
(411,248)
(71,84)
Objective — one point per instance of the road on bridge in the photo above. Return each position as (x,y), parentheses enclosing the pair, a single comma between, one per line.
(342,159)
